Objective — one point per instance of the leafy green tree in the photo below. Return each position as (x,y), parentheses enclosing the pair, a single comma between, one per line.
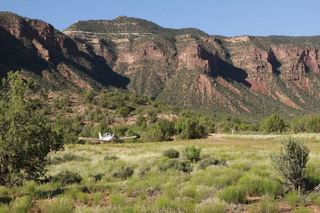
(298,124)
(154,134)
(140,119)
(207,123)
(313,124)
(189,128)
(69,127)
(123,111)
(115,102)
(229,123)
(273,124)
(89,96)
(167,129)
(163,130)
(290,162)
(226,128)
(26,136)
(120,130)
(153,118)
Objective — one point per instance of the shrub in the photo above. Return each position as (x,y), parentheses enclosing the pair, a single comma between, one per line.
(233,194)
(192,153)
(4,208)
(252,184)
(22,204)
(290,162)
(67,177)
(315,198)
(212,206)
(124,172)
(184,166)
(161,202)
(272,187)
(116,199)
(61,205)
(144,170)
(96,198)
(171,153)
(211,161)
(265,205)
(71,192)
(67,157)
(110,157)
(82,197)
(293,199)
(123,111)
(98,177)
(4,191)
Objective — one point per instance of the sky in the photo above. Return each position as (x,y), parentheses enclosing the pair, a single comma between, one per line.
(216,17)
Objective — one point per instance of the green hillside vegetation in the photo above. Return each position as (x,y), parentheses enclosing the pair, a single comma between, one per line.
(123,24)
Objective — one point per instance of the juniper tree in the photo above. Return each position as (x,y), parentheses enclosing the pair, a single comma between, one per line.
(290,162)
(26,136)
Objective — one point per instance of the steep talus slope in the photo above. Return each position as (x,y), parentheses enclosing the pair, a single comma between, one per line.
(243,75)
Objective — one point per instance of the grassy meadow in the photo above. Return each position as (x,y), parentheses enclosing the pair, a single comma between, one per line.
(233,174)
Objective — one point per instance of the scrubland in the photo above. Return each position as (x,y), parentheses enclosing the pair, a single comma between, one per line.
(232,174)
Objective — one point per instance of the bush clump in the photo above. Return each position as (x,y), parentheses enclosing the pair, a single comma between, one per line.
(184,166)
(111,157)
(233,194)
(22,204)
(266,204)
(192,153)
(211,161)
(171,153)
(124,172)
(67,177)
(66,158)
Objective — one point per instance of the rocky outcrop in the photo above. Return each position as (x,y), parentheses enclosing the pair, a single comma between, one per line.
(39,51)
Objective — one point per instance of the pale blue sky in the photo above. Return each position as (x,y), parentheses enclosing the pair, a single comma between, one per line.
(215,17)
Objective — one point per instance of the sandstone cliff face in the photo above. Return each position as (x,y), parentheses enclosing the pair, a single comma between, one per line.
(207,72)
(39,51)
(241,75)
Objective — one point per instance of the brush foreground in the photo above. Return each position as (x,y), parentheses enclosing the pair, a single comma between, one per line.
(232,174)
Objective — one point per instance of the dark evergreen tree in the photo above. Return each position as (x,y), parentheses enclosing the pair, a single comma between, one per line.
(290,162)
